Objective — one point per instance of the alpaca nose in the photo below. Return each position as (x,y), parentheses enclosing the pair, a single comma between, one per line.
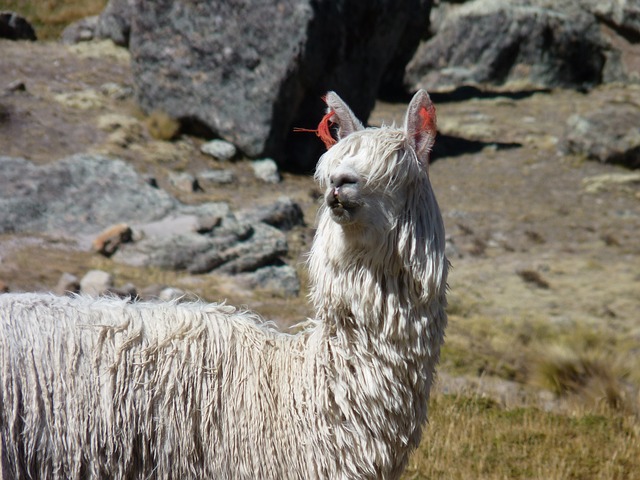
(342,179)
(343,185)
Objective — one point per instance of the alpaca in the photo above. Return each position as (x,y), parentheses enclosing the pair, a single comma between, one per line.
(108,388)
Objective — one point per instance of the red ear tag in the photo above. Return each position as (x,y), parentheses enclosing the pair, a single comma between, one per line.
(324,130)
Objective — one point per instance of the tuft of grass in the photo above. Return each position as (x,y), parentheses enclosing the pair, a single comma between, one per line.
(50,17)
(593,377)
(161,126)
(534,278)
(582,364)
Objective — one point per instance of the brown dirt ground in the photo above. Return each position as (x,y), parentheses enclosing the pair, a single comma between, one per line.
(535,234)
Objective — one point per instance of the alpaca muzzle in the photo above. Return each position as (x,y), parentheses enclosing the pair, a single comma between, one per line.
(334,200)
(343,202)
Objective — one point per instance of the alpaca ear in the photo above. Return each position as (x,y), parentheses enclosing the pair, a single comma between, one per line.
(420,125)
(342,116)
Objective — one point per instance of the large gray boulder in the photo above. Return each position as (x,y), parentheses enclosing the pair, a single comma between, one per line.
(81,194)
(609,135)
(532,42)
(251,71)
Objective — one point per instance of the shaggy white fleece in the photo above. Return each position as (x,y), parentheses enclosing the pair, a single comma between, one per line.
(105,388)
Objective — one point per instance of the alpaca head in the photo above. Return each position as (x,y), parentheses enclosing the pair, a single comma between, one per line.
(379,214)
(367,174)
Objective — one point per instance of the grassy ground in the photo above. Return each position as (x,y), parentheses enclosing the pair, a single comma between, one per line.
(475,438)
(570,412)
(49,17)
(546,400)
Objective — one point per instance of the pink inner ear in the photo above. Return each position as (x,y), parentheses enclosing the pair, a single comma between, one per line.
(428,115)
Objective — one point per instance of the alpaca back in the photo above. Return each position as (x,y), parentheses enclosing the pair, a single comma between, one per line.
(109,389)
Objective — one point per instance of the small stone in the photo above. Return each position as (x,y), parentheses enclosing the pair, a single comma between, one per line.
(183,181)
(207,223)
(128,290)
(281,280)
(96,282)
(219,149)
(80,31)
(266,170)
(163,293)
(16,86)
(109,240)
(67,284)
(208,180)
(4,288)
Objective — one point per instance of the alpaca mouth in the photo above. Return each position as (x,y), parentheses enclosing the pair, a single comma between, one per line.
(338,210)
(341,211)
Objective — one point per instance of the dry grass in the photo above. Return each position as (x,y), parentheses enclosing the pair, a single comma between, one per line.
(475,438)
(595,364)
(592,374)
(49,17)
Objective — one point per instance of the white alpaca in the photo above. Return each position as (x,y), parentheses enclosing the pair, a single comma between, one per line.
(103,388)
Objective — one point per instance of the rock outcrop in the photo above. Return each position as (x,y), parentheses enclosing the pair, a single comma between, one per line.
(83,193)
(103,203)
(497,41)
(249,72)
(532,43)
(609,135)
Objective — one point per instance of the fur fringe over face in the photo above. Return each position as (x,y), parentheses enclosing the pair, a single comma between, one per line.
(105,388)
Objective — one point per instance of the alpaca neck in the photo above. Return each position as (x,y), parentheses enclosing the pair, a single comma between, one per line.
(382,333)
(365,291)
